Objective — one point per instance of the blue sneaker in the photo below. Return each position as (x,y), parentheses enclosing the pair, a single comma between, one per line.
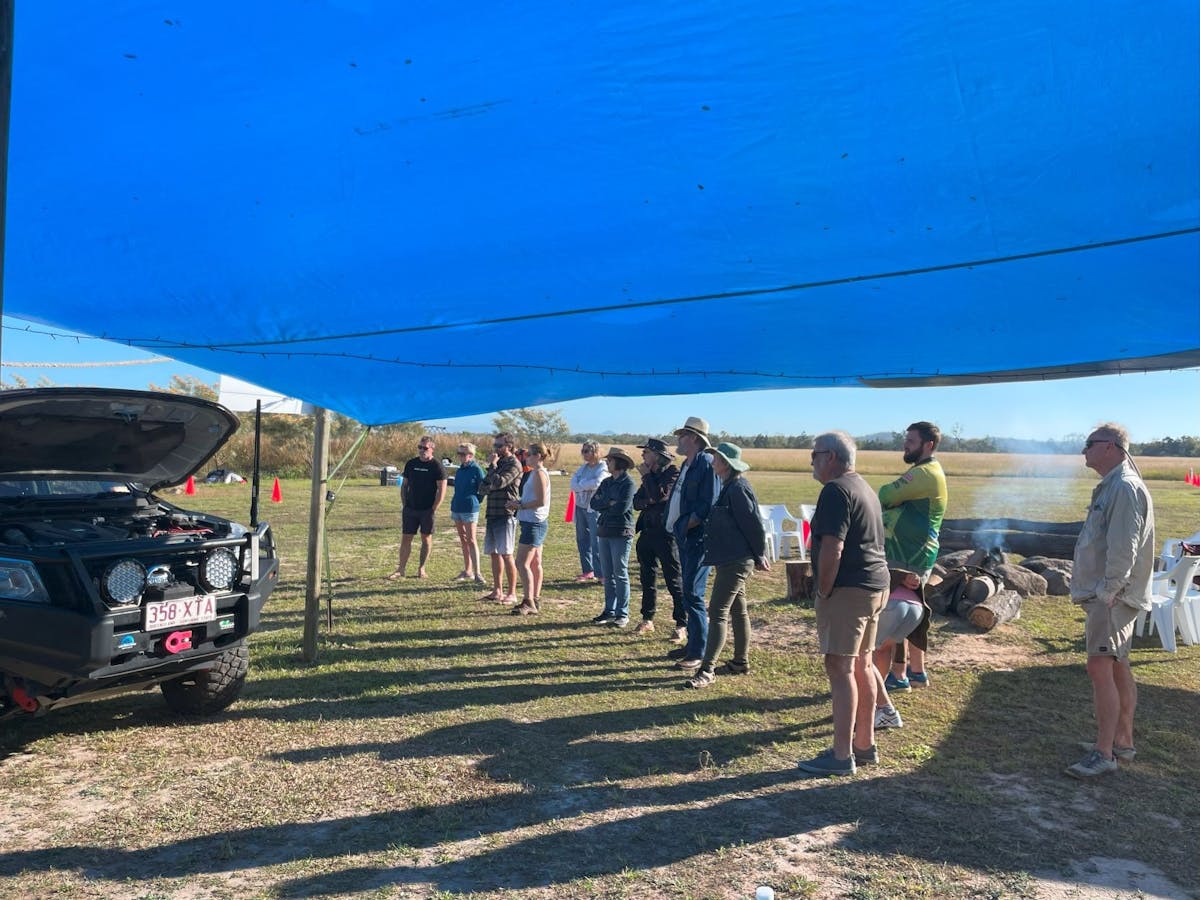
(896,685)
(917,679)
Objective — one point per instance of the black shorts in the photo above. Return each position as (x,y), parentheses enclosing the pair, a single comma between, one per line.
(413,519)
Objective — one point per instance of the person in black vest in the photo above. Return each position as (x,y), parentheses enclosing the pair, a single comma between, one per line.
(655,545)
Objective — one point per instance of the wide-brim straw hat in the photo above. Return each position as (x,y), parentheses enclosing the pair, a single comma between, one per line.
(696,426)
(732,454)
(618,453)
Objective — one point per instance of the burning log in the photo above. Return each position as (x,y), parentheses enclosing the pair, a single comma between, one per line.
(977,595)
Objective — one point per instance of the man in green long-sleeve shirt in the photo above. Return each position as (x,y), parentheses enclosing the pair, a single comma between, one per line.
(913,507)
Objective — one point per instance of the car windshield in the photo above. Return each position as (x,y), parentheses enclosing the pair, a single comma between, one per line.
(64,488)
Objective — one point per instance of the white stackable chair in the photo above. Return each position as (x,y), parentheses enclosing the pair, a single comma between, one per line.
(772,549)
(775,517)
(1175,604)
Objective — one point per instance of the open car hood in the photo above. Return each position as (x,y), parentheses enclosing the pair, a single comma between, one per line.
(152,438)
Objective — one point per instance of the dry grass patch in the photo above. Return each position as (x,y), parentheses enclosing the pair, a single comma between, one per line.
(441,747)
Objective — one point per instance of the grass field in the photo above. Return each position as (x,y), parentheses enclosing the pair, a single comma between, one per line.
(441,747)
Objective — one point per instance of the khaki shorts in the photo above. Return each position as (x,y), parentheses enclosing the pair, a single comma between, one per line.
(847,619)
(1109,632)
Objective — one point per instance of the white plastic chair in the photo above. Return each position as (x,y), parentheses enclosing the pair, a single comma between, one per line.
(1175,603)
(775,517)
(772,550)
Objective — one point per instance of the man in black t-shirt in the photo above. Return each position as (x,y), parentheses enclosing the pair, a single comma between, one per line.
(421,491)
(851,577)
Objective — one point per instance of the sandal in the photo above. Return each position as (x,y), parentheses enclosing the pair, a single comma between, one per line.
(395,576)
(700,680)
(493,597)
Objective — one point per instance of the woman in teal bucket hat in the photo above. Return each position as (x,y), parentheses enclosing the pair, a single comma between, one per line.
(734,545)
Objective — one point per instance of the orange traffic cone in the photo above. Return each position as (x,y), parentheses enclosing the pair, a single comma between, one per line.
(190,488)
(276,493)
(570,514)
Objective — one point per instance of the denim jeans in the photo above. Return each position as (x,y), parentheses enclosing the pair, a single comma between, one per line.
(587,540)
(614,566)
(695,583)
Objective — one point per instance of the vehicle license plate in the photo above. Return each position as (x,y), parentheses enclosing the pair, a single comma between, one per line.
(176,613)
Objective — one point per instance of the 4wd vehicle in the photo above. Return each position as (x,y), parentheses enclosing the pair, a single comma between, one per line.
(105,587)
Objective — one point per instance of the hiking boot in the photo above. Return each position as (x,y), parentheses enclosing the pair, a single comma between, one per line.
(917,679)
(1125,754)
(644,627)
(731,669)
(896,685)
(605,618)
(700,680)
(677,653)
(887,717)
(680,636)
(1092,766)
(619,622)
(868,757)
(825,763)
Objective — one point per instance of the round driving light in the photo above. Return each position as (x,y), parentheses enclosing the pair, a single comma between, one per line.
(124,581)
(219,570)
(159,577)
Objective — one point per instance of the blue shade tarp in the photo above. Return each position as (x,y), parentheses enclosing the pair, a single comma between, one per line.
(407,210)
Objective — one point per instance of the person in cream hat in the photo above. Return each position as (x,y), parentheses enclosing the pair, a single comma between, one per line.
(687,510)
(697,426)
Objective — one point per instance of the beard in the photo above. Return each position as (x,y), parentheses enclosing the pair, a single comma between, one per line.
(912,456)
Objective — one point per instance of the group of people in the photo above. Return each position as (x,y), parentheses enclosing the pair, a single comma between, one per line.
(514,496)
(873,554)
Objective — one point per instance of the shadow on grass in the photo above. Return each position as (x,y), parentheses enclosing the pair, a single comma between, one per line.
(992,796)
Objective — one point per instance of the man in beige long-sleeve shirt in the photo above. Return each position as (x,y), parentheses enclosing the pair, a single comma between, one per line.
(1114,561)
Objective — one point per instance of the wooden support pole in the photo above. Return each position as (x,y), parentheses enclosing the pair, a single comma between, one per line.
(316,532)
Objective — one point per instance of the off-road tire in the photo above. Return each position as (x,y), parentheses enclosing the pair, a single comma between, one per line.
(209,690)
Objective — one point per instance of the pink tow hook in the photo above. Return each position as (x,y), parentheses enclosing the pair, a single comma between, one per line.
(177,641)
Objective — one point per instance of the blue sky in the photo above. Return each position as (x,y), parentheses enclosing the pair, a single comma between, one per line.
(1152,406)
